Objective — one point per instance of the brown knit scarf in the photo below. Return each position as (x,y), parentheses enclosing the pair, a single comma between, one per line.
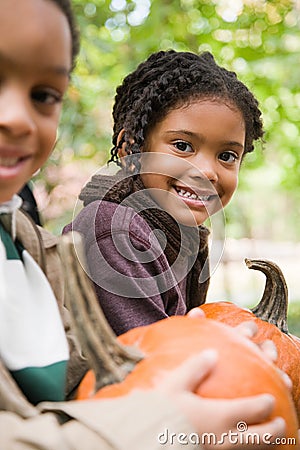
(119,189)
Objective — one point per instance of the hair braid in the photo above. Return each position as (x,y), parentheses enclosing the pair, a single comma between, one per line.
(168,80)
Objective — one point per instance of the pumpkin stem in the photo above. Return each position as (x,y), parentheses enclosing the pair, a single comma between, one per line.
(274,303)
(110,360)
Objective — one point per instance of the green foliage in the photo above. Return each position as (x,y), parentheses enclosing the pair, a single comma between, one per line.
(258,39)
(294,318)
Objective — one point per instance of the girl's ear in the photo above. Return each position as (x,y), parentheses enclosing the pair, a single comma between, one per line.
(121,145)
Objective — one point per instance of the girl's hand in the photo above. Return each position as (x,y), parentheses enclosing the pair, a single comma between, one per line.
(249,329)
(220,417)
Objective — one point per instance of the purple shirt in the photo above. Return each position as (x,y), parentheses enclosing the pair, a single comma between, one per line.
(134,282)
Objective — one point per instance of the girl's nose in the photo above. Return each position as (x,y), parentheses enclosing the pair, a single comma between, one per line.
(204,167)
(16,113)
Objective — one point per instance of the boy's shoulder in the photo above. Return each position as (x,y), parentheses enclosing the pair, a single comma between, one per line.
(33,237)
(42,246)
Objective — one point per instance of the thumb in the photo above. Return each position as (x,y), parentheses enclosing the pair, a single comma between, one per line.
(191,372)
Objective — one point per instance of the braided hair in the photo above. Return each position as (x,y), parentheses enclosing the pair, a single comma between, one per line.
(66,7)
(168,80)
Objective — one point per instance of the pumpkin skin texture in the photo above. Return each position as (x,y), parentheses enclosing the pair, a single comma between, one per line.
(288,346)
(270,317)
(140,357)
(241,369)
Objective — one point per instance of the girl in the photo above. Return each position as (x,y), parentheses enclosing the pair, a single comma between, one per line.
(182,125)
(36,58)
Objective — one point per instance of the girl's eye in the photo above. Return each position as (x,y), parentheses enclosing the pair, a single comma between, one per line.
(47,97)
(183,146)
(228,157)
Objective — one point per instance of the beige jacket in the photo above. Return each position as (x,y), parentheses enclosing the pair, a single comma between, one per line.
(139,421)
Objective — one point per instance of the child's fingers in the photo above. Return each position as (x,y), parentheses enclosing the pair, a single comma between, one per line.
(247,329)
(259,436)
(190,373)
(196,313)
(269,350)
(286,379)
(252,410)
(268,433)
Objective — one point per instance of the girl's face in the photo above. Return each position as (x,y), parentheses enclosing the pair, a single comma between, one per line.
(35,63)
(191,159)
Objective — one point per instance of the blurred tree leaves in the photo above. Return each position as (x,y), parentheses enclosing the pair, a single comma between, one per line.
(258,39)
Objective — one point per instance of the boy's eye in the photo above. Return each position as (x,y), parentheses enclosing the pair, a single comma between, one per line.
(229,157)
(183,146)
(47,97)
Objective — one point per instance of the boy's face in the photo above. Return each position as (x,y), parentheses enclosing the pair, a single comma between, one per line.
(35,61)
(192,158)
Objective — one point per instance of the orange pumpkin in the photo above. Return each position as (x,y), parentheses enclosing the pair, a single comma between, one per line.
(241,369)
(140,357)
(270,317)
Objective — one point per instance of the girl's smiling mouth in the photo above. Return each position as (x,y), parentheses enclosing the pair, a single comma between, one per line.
(195,197)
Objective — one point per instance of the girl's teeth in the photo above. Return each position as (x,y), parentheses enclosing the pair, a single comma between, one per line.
(187,194)
(8,162)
